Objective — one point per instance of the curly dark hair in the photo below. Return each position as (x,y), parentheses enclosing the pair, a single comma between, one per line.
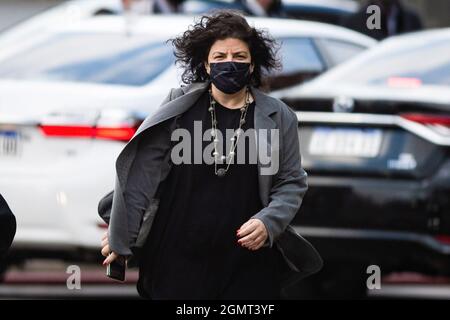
(193,46)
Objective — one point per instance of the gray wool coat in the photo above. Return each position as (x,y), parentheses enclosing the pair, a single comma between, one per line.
(145,161)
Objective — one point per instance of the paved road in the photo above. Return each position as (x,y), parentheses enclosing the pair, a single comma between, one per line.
(58,280)
(48,280)
(412,291)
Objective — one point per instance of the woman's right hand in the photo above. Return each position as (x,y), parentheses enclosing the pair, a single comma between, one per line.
(106,252)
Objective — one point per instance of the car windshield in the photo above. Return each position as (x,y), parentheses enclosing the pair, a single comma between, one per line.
(92,58)
(300,55)
(415,65)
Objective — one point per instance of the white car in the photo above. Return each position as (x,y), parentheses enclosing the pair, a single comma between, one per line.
(69,12)
(72,96)
(74,11)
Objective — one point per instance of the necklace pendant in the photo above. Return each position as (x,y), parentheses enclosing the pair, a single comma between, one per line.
(221,172)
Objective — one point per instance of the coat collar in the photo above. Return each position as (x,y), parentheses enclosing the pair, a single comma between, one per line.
(264,107)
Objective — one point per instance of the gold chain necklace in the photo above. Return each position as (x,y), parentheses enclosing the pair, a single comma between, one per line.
(234,139)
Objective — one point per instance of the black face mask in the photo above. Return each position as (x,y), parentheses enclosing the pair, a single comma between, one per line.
(230,77)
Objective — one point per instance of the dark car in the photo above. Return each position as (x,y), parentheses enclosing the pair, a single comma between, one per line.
(7,230)
(329,11)
(375,141)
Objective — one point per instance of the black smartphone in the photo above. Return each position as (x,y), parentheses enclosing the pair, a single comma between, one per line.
(116,269)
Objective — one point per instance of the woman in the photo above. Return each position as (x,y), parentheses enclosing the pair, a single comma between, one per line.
(219,211)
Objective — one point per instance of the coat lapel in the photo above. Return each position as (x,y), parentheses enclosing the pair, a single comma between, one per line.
(264,108)
(174,107)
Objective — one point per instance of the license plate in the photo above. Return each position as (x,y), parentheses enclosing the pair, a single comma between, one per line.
(9,143)
(345,142)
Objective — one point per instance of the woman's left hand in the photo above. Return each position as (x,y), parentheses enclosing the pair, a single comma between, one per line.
(252,234)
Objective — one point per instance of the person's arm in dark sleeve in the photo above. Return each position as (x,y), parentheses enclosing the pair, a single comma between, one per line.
(7,227)
(144,175)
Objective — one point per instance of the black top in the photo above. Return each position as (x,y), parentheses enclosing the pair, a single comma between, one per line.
(192,250)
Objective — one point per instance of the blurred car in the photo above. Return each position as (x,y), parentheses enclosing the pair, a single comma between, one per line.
(67,13)
(327,11)
(74,11)
(71,98)
(375,140)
